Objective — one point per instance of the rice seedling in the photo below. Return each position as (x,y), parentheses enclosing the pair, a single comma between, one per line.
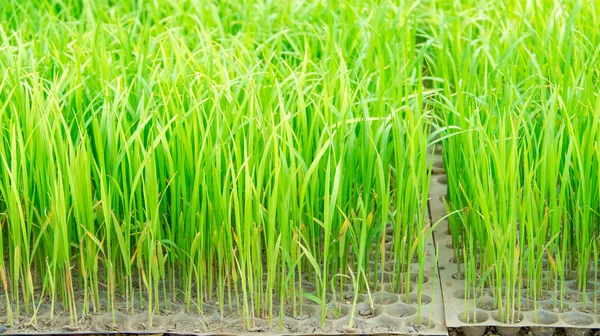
(266,156)
(517,108)
(245,155)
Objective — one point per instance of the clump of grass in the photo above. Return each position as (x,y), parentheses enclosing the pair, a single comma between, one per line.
(517,105)
(216,153)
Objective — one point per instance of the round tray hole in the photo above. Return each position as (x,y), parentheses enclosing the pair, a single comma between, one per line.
(508,331)
(544,317)
(588,309)
(416,326)
(300,315)
(438,164)
(457,276)
(388,266)
(527,305)
(590,287)
(557,307)
(473,293)
(573,297)
(543,296)
(364,311)
(336,312)
(349,297)
(384,298)
(385,324)
(473,330)
(389,256)
(400,310)
(443,179)
(514,317)
(391,288)
(412,298)
(414,277)
(487,303)
(577,319)
(385,277)
(472,316)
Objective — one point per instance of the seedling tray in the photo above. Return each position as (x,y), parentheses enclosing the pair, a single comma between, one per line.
(393,314)
(543,322)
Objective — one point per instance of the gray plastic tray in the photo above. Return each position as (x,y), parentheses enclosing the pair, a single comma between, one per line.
(393,314)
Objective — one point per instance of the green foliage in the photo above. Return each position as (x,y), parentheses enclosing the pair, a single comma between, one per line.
(520,106)
(235,151)
(220,150)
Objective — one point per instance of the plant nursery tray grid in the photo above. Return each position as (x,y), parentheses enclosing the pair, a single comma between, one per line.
(453,288)
(393,314)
